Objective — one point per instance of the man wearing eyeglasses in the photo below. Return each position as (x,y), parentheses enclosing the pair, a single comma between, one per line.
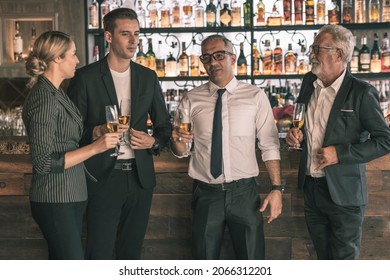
(227,116)
(344,128)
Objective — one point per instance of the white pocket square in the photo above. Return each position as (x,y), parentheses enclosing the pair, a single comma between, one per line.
(347,110)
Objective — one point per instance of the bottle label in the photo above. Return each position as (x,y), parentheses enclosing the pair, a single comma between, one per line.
(242,70)
(18,45)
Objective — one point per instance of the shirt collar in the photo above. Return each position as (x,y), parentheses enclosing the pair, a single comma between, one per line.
(229,87)
(335,85)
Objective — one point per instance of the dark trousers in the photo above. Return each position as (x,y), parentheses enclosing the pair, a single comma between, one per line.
(335,230)
(61,225)
(236,207)
(117,217)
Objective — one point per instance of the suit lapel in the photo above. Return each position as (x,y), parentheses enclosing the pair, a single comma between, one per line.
(108,82)
(337,105)
(70,108)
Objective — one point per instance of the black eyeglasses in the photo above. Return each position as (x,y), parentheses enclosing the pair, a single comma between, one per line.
(219,55)
(316,48)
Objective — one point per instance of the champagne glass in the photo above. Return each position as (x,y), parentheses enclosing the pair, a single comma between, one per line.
(124,118)
(112,124)
(182,120)
(298,119)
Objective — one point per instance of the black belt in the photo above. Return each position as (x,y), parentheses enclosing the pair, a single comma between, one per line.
(226,186)
(125,164)
(316,179)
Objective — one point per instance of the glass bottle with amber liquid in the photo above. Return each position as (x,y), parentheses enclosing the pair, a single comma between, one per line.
(347,11)
(320,16)
(187,9)
(171,66)
(287,12)
(150,56)
(298,14)
(260,20)
(275,19)
(175,10)
(354,63)
(93,15)
(236,13)
(141,57)
(267,58)
(18,44)
(278,59)
(194,59)
(184,62)
(309,11)
(303,61)
(211,14)
(248,13)
(385,48)
(160,61)
(153,14)
(386,11)
(375,62)
(333,13)
(373,11)
(290,61)
(225,16)
(33,37)
(165,15)
(255,58)
(364,56)
(360,11)
(242,65)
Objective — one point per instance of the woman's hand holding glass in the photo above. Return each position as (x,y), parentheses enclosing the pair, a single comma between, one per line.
(183,129)
(113,124)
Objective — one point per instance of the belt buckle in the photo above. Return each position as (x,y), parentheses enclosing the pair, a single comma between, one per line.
(223,187)
(127,166)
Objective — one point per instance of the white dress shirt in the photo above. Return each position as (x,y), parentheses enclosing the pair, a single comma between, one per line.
(316,120)
(246,115)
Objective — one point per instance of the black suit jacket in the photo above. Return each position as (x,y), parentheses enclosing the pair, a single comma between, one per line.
(356,127)
(92,89)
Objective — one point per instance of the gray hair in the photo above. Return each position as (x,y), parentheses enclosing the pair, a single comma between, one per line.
(342,38)
(217,37)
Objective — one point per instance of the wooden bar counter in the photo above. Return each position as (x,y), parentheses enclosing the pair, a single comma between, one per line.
(169,230)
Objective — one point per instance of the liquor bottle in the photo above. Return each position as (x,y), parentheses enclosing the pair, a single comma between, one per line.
(248,13)
(373,11)
(236,13)
(18,44)
(211,14)
(383,100)
(242,66)
(160,61)
(165,15)
(95,53)
(183,62)
(153,16)
(175,13)
(260,21)
(360,11)
(171,67)
(149,125)
(290,61)
(141,57)
(255,58)
(386,11)
(275,19)
(187,13)
(298,6)
(309,11)
(33,37)
(278,59)
(225,16)
(303,61)
(150,56)
(321,19)
(105,8)
(194,59)
(385,47)
(375,63)
(348,11)
(287,12)
(364,56)
(199,14)
(354,63)
(93,15)
(267,58)
(333,13)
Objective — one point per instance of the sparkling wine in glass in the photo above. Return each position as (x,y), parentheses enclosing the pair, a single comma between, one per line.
(182,120)
(124,118)
(298,119)
(112,124)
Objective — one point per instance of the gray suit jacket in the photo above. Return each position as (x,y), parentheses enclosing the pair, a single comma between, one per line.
(54,126)
(356,127)
(92,89)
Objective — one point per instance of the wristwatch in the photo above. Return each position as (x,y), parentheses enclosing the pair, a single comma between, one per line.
(277,187)
(155,148)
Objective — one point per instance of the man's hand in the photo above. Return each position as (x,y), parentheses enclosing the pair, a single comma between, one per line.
(274,199)
(294,137)
(326,156)
(140,140)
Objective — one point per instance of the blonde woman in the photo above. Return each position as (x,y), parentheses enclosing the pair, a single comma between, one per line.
(58,194)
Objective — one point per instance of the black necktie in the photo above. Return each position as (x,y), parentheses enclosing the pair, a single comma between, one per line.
(216,144)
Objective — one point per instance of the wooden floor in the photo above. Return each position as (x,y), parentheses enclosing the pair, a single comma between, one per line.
(168,235)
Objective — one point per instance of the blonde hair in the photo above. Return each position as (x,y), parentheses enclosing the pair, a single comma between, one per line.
(47,47)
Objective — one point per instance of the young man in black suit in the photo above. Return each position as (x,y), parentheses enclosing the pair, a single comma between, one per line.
(120,189)
(344,128)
